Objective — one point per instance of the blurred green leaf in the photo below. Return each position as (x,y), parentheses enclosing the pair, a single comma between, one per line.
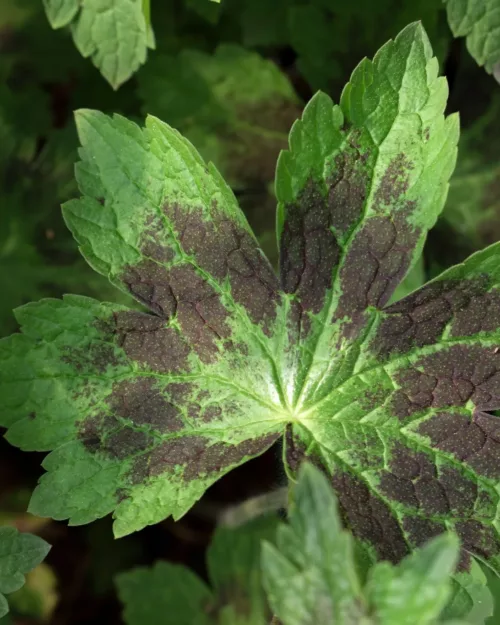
(115,34)
(235,106)
(19,554)
(479,22)
(170,594)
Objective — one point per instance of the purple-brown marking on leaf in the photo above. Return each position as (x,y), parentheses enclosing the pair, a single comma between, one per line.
(380,253)
(295,449)
(393,184)
(475,441)
(93,430)
(197,456)
(347,189)
(201,315)
(182,292)
(420,530)
(414,479)
(147,340)
(224,249)
(153,243)
(481,315)
(478,538)
(126,442)
(149,283)
(143,402)
(421,318)
(308,249)
(450,377)
(94,356)
(369,518)
(376,262)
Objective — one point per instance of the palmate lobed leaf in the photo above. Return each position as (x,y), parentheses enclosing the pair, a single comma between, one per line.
(145,411)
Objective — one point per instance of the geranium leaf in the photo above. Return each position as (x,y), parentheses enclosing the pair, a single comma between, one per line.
(144,411)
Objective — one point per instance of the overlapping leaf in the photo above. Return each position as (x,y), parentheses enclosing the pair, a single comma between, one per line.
(312,576)
(115,34)
(479,22)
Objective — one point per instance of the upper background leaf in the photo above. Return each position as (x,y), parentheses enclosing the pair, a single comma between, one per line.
(115,34)
(235,106)
(479,22)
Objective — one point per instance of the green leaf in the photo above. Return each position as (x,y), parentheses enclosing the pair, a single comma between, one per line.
(326,35)
(312,575)
(114,34)
(479,22)
(19,554)
(472,210)
(165,594)
(234,106)
(234,568)
(61,12)
(416,591)
(152,409)
(144,411)
(471,595)
(169,594)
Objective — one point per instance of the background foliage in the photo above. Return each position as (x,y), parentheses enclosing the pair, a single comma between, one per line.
(232,77)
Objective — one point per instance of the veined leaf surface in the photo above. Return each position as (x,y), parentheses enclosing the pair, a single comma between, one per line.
(143,411)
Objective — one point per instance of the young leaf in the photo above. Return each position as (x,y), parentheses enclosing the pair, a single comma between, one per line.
(19,554)
(115,34)
(312,577)
(61,12)
(479,22)
(172,595)
(416,591)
